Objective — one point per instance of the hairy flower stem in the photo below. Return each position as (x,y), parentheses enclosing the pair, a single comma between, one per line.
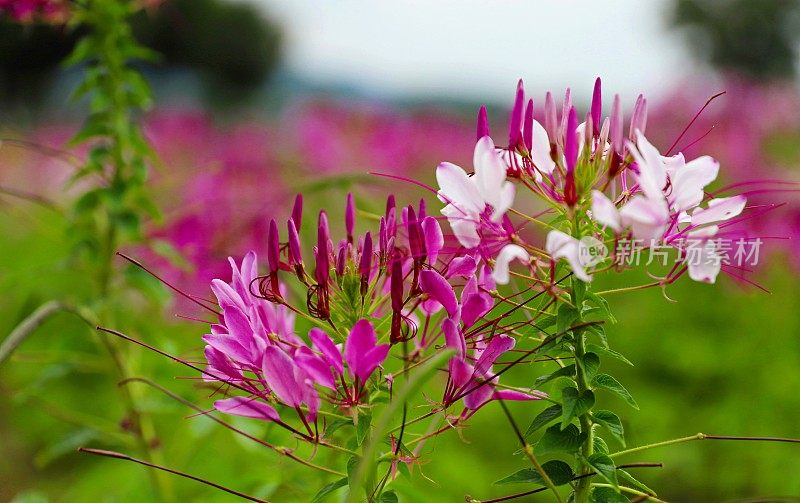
(703,436)
(583,487)
(528,449)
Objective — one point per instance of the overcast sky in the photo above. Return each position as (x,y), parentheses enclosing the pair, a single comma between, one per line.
(477,49)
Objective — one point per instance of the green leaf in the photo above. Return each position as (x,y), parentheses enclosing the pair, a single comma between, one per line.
(362,428)
(568,371)
(555,439)
(607,495)
(575,404)
(543,418)
(604,466)
(565,317)
(590,363)
(612,422)
(560,473)
(352,466)
(335,425)
(609,383)
(388,497)
(600,350)
(599,445)
(628,480)
(600,332)
(602,303)
(328,489)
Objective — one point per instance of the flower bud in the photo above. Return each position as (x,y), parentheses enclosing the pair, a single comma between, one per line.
(483,124)
(350,217)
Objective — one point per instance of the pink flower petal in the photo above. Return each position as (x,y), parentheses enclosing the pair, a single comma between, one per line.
(247,407)
(434,284)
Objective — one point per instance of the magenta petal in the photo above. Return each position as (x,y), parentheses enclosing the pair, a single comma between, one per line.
(434,284)
(454,338)
(510,394)
(460,372)
(372,359)
(281,375)
(480,396)
(226,295)
(238,325)
(462,266)
(228,346)
(434,239)
(496,347)
(323,343)
(474,307)
(360,341)
(219,365)
(317,368)
(247,407)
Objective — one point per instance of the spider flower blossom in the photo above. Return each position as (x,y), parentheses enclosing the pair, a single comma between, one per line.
(254,346)
(402,276)
(570,167)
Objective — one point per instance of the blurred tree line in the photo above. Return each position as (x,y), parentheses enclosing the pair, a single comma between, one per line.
(232,47)
(753,38)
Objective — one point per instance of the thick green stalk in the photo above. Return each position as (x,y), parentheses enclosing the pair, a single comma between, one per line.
(583,487)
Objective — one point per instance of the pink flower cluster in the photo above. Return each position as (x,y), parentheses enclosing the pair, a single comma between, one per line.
(570,167)
(402,276)
(35,10)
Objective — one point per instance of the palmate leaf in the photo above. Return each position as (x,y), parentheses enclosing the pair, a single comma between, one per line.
(555,439)
(560,473)
(609,383)
(543,418)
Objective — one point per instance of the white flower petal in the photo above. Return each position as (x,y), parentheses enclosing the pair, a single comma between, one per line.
(605,212)
(648,218)
(541,149)
(490,171)
(560,245)
(465,227)
(510,252)
(720,209)
(706,264)
(652,176)
(456,187)
(689,181)
(504,201)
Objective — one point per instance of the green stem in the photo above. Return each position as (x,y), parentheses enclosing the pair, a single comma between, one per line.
(703,436)
(697,436)
(633,491)
(583,485)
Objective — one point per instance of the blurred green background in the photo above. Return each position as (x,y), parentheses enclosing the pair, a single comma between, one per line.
(722,359)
